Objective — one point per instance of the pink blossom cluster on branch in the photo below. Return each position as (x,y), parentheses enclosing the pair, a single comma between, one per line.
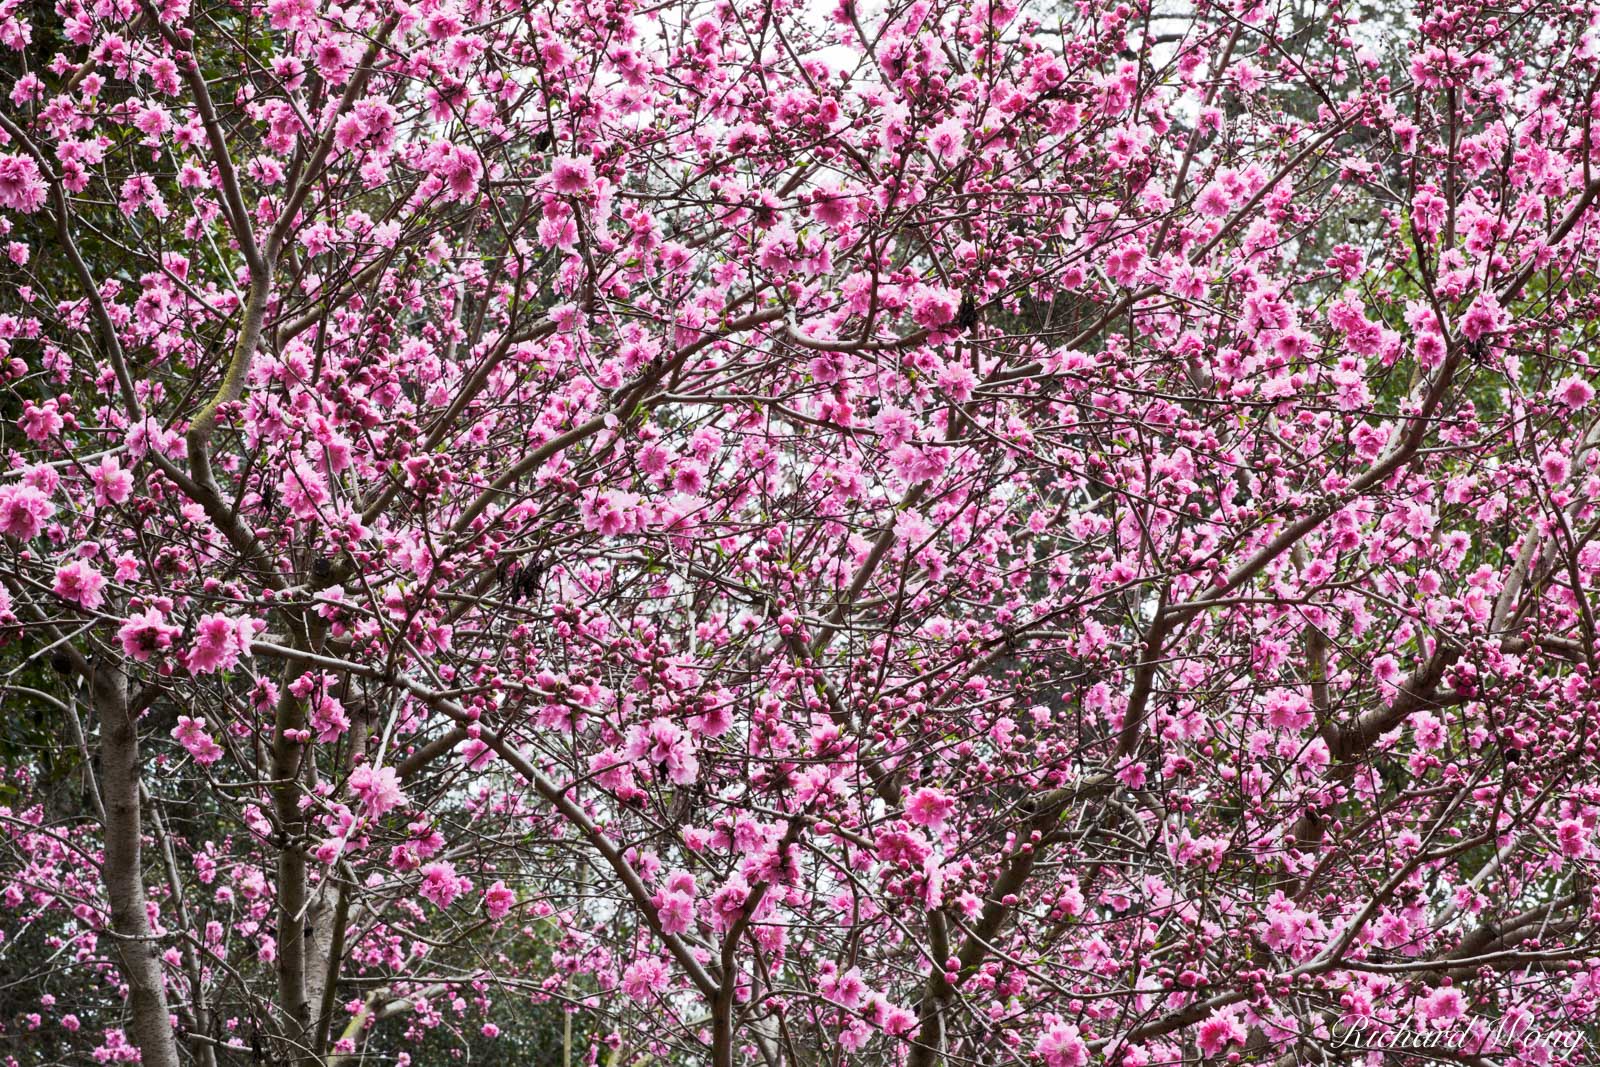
(899,533)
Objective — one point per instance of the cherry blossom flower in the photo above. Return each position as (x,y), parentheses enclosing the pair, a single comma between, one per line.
(1443,1006)
(1218,1032)
(947,141)
(643,979)
(1573,838)
(112,484)
(498,900)
(571,177)
(81,584)
(22,187)
(1574,392)
(1061,1046)
(929,807)
(1482,318)
(218,644)
(41,422)
(191,734)
(24,509)
(440,883)
(146,635)
(1213,200)
(378,789)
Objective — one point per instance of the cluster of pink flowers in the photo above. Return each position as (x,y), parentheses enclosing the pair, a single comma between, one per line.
(24,510)
(899,533)
(191,734)
(80,583)
(441,885)
(219,642)
(378,789)
(22,187)
(674,904)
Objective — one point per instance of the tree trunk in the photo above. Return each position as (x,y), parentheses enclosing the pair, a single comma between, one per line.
(287,765)
(137,953)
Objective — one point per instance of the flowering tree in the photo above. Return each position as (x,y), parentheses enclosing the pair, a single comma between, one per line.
(914,533)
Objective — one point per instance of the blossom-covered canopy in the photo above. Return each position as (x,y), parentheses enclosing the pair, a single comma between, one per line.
(900,533)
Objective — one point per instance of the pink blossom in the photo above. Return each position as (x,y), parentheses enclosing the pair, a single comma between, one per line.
(847,988)
(40,422)
(929,807)
(475,753)
(23,511)
(675,903)
(22,187)
(1443,1005)
(1482,318)
(1213,200)
(1429,350)
(498,900)
(1218,1032)
(378,789)
(833,207)
(152,120)
(440,883)
(664,742)
(1428,731)
(164,75)
(1369,441)
(727,903)
(612,513)
(558,232)
(1572,838)
(146,634)
(689,478)
(1574,392)
(1348,260)
(933,307)
(112,484)
(947,141)
(191,734)
(327,713)
(571,177)
(675,912)
(329,718)
(461,171)
(897,1020)
(1386,671)
(1288,711)
(303,490)
(644,978)
(824,369)
(81,584)
(218,643)
(1061,1046)
(349,132)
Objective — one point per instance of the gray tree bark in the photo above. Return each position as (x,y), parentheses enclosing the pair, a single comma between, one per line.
(138,955)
